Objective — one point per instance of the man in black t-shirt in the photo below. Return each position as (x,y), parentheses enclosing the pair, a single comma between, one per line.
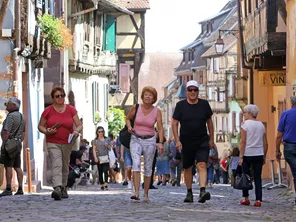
(195,117)
(75,157)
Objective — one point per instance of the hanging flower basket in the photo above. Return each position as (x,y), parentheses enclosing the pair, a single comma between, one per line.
(55,31)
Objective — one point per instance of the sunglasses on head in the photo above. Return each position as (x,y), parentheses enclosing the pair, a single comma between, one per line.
(192,89)
(59,96)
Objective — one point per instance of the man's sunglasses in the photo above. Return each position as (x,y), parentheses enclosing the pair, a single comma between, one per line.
(194,89)
(59,96)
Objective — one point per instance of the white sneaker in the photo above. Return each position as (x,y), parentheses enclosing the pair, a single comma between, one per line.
(88,183)
(130,185)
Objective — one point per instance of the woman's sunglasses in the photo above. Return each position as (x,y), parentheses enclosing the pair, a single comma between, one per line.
(59,96)
(100,131)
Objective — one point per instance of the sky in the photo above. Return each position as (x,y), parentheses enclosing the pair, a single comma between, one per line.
(172,24)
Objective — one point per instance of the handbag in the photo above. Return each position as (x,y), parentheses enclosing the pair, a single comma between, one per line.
(124,135)
(112,159)
(104,159)
(242,181)
(13,145)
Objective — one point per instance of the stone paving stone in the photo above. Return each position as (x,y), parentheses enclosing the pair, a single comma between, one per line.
(89,203)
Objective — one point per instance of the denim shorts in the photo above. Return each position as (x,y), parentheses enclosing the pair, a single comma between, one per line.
(128,162)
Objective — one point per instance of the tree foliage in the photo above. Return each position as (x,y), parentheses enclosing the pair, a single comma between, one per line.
(116,120)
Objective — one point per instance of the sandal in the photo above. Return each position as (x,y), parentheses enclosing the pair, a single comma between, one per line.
(245,202)
(257,204)
(135,197)
(146,198)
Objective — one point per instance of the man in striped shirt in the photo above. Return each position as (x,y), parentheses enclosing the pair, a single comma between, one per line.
(13,126)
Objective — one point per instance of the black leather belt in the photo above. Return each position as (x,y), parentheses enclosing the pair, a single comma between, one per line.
(144,137)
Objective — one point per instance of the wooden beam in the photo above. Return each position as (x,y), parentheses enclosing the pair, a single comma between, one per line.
(134,22)
(3,11)
(127,33)
(126,51)
(83,12)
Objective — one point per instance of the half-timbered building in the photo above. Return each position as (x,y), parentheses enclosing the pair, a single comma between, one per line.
(93,59)
(130,41)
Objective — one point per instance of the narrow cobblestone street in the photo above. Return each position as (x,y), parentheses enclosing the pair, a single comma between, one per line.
(166,204)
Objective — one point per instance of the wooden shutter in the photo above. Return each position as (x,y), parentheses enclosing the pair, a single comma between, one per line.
(124,79)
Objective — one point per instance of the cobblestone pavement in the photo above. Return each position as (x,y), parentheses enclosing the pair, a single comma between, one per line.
(89,203)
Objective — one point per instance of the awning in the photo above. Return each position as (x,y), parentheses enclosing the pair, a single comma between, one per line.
(181,93)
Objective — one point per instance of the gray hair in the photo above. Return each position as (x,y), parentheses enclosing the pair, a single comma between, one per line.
(293,100)
(252,109)
(15,101)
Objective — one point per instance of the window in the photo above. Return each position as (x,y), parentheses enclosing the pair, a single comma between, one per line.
(216,123)
(86,27)
(95,98)
(210,93)
(224,124)
(204,28)
(215,67)
(209,27)
(257,3)
(200,77)
(221,96)
(241,119)
(249,7)
(106,99)
(233,117)
(246,9)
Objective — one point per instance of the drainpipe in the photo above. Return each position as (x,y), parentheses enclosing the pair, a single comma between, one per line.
(245,64)
(17,49)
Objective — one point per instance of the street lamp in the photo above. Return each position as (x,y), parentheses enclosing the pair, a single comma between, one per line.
(118,96)
(219,45)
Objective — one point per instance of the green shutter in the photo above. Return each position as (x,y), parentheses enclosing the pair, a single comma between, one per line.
(109,35)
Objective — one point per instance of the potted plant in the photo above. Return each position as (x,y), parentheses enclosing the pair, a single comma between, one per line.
(55,31)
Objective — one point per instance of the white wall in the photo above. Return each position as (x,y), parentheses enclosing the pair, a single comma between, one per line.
(81,85)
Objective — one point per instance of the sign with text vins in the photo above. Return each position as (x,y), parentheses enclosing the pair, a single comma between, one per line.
(272,78)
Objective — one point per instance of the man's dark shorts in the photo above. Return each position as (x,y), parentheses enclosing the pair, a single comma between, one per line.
(194,150)
(11,162)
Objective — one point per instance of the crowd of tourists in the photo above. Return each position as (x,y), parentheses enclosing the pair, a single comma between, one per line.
(190,151)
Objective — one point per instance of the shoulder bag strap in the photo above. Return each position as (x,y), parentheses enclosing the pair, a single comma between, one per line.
(137,107)
(133,120)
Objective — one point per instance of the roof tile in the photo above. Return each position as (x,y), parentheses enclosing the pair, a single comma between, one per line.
(134,4)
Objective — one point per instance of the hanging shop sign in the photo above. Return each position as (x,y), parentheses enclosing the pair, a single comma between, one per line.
(272,78)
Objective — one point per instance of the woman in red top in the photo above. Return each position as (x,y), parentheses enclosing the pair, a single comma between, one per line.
(57,122)
(224,166)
